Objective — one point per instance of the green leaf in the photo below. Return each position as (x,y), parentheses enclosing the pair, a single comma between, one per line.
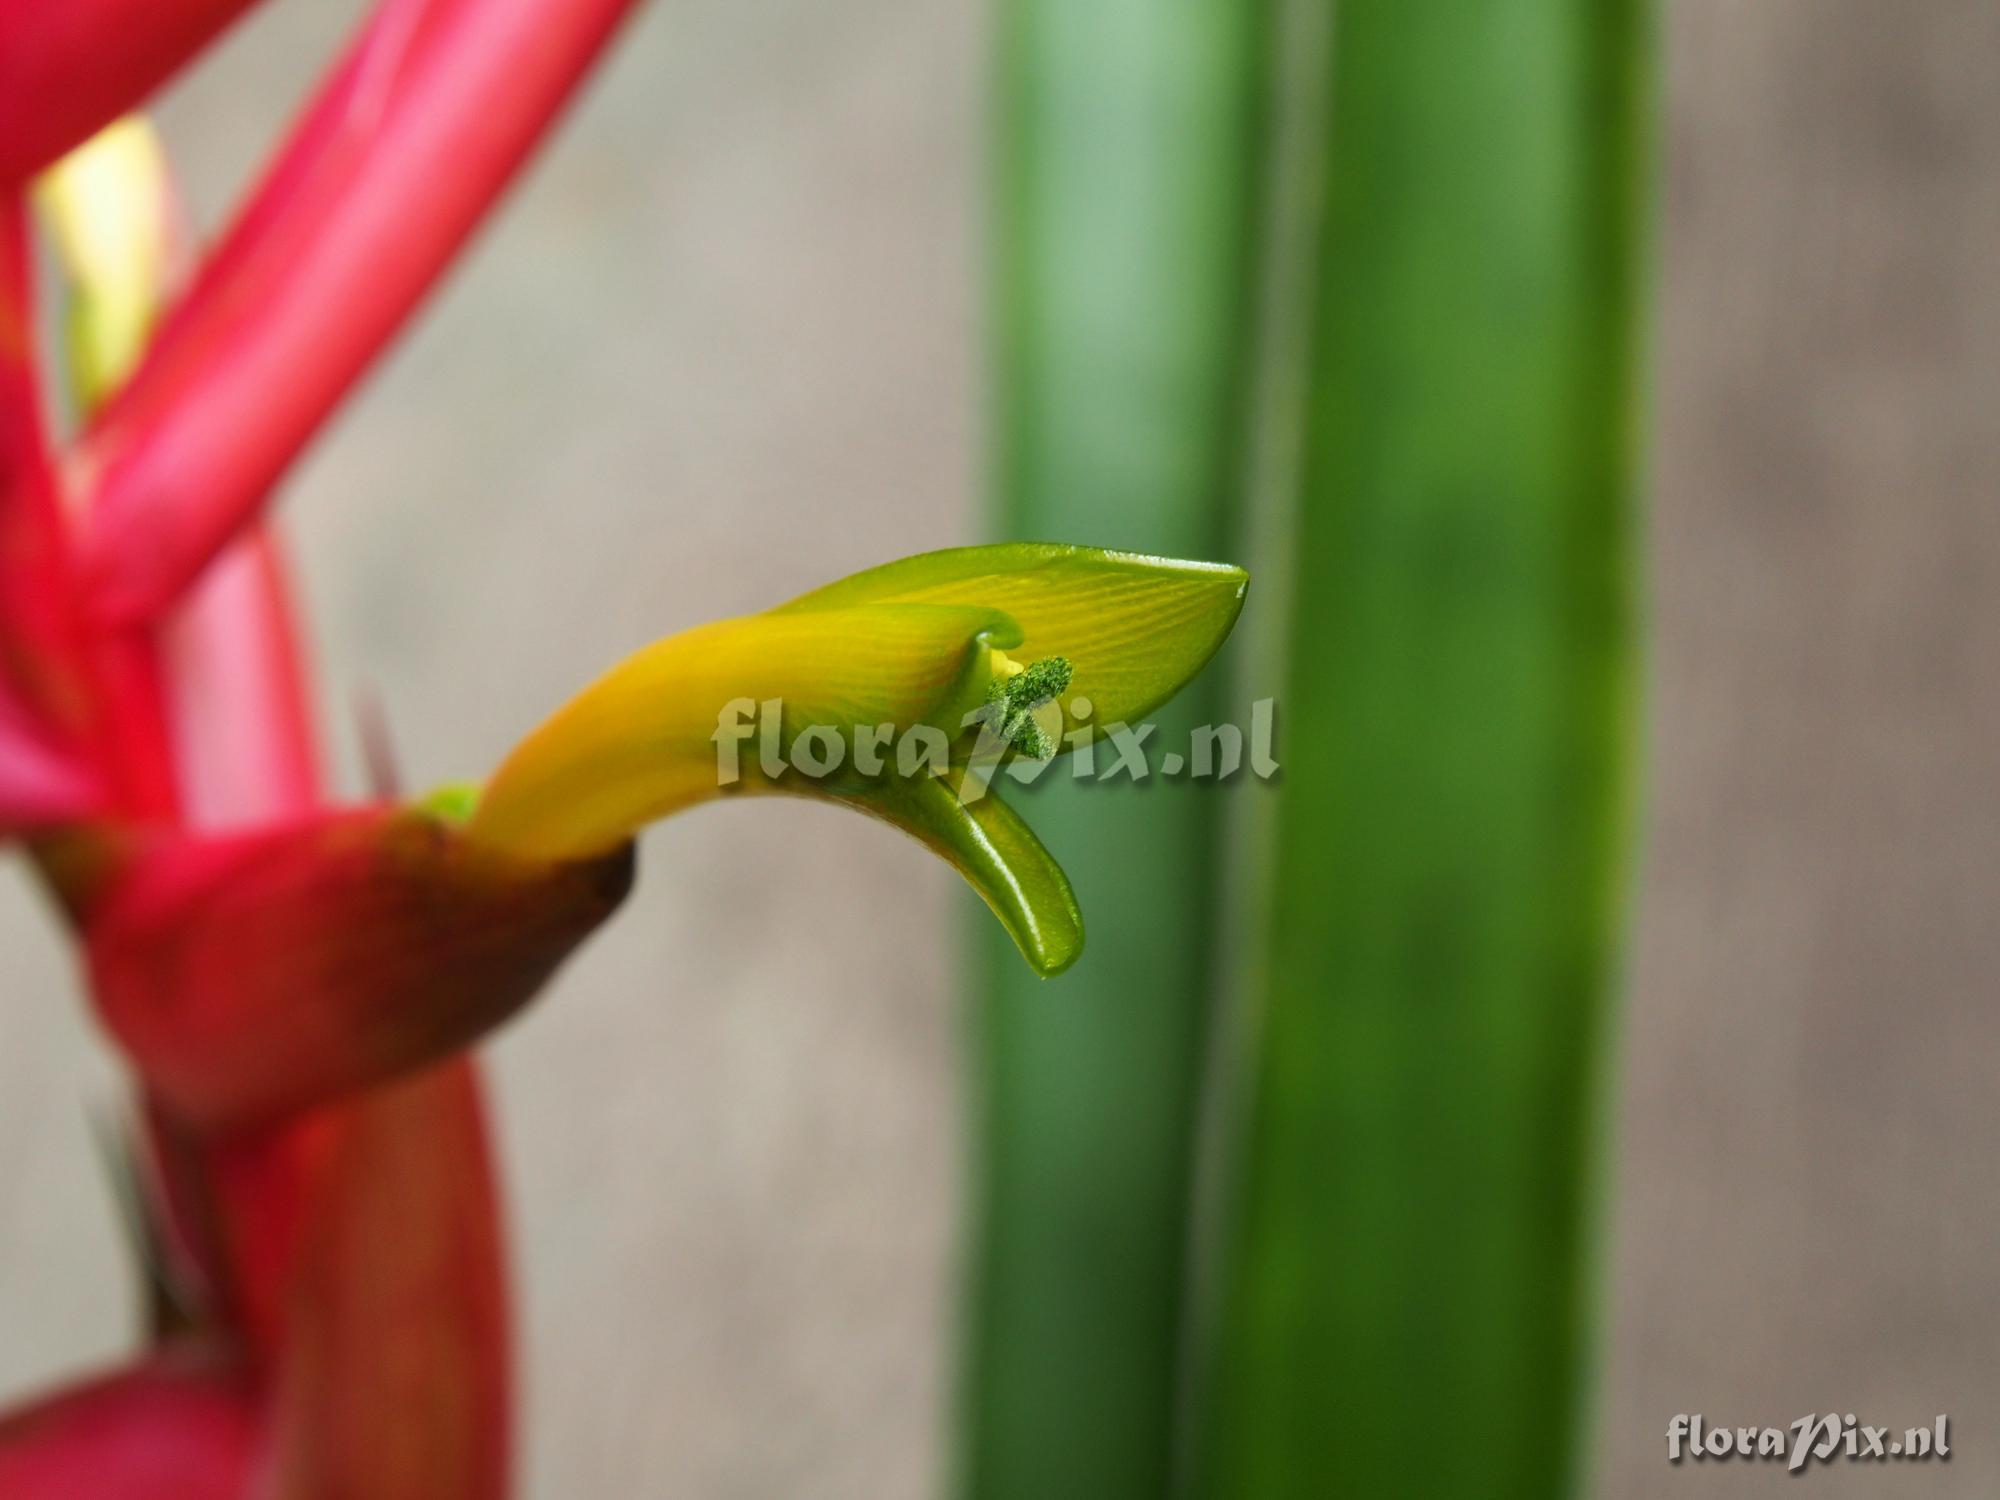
(1409,1300)
(1122,213)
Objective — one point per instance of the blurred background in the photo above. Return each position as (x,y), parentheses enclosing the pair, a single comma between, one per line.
(726,343)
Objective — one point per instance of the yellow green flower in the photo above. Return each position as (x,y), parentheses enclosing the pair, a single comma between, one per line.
(895,692)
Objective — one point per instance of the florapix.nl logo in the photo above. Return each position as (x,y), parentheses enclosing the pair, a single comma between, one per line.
(1026,738)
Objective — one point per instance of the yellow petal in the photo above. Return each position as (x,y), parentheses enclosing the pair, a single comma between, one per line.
(108,211)
(640,742)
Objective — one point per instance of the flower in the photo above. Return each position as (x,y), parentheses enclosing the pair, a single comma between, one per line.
(933,643)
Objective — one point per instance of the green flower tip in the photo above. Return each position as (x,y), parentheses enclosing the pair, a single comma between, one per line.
(1011,703)
(454,803)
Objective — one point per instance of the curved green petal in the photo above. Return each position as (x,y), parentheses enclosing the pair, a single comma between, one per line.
(999,856)
(1134,628)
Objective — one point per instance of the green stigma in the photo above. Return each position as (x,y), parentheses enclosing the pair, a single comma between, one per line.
(1011,703)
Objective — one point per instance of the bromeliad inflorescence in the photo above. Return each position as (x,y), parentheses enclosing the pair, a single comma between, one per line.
(295,983)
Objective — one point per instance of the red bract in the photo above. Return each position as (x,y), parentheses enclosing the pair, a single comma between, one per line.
(237,700)
(292,984)
(251,978)
(410,142)
(40,785)
(68,67)
(184,1425)
(94,692)
(394,1381)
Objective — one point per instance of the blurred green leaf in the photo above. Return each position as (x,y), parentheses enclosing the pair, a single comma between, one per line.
(1125,185)
(1407,1309)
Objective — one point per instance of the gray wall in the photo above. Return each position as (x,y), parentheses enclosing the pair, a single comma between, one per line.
(723,346)
(1807,1216)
